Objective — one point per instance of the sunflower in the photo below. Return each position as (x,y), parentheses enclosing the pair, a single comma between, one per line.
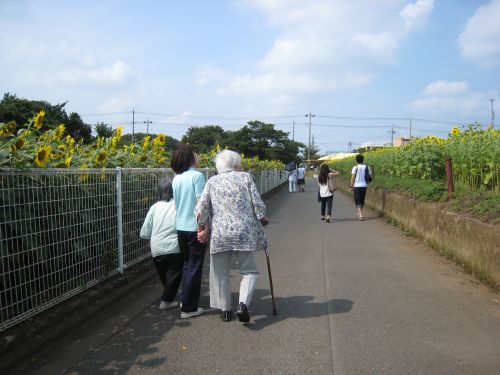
(146,143)
(67,161)
(19,144)
(37,120)
(101,158)
(59,132)
(455,131)
(160,139)
(118,132)
(8,128)
(42,155)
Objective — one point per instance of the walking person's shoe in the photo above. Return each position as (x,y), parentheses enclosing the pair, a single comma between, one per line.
(192,314)
(328,219)
(322,218)
(164,305)
(242,312)
(227,315)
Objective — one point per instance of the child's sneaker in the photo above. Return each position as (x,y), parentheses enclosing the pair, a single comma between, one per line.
(186,315)
(168,305)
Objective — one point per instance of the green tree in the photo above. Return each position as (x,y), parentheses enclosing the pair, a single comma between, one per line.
(263,140)
(204,138)
(77,128)
(314,155)
(22,110)
(103,130)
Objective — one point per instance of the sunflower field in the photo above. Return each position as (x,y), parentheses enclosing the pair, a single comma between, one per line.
(419,168)
(28,147)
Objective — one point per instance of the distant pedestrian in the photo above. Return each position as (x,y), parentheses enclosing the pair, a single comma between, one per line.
(325,181)
(238,213)
(359,185)
(159,227)
(188,186)
(301,177)
(292,181)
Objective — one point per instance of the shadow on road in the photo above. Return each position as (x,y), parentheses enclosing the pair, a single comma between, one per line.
(300,307)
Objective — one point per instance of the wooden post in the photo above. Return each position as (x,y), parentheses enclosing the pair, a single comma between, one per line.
(449,176)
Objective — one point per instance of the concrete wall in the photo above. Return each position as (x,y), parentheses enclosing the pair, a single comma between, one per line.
(472,243)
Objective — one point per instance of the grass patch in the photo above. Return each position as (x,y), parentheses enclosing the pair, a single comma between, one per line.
(480,204)
(422,189)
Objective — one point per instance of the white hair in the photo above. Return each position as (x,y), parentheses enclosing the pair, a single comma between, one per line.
(227,160)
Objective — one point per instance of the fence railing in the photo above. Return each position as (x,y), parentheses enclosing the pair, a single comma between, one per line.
(63,231)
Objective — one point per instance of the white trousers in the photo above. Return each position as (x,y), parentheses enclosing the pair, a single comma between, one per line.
(220,288)
(292,186)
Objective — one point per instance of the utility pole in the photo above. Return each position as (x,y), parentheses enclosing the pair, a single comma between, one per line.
(133,124)
(349,146)
(147,125)
(492,97)
(410,129)
(310,115)
(293,131)
(392,135)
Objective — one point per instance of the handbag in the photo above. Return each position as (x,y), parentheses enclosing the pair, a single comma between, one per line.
(331,184)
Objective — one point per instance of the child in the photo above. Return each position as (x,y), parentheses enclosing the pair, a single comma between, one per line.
(159,227)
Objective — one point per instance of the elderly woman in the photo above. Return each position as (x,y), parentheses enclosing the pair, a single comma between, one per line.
(238,213)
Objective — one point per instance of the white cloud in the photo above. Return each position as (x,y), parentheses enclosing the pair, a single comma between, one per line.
(415,15)
(117,104)
(442,87)
(61,64)
(479,43)
(326,46)
(449,97)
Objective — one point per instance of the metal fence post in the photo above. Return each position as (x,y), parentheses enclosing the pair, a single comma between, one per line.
(449,175)
(119,218)
(261,190)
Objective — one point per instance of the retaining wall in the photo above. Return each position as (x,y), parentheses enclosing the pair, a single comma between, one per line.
(470,242)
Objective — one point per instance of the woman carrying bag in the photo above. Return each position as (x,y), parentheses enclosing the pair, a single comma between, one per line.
(326,190)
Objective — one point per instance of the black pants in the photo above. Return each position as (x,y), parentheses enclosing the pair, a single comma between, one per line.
(326,202)
(193,254)
(359,196)
(169,268)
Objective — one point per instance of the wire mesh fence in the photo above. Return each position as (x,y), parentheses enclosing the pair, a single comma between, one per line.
(63,231)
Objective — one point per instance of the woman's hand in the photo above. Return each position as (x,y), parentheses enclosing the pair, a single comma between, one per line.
(264,221)
(203,235)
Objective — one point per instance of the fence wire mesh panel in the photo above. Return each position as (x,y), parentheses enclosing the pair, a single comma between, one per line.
(57,237)
(139,192)
(63,231)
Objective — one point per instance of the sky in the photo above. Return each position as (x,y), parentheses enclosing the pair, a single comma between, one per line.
(363,68)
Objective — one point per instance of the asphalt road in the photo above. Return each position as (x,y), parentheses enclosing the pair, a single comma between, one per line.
(352,298)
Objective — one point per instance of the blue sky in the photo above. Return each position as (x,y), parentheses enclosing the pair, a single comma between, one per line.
(359,66)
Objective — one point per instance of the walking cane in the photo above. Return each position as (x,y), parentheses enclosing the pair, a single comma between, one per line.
(270,281)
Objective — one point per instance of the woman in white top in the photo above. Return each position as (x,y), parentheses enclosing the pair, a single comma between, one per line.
(326,196)
(359,185)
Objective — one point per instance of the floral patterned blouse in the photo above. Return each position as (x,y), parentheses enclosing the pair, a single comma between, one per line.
(232,200)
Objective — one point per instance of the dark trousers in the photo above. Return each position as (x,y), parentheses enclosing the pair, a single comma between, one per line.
(359,196)
(169,268)
(193,254)
(326,202)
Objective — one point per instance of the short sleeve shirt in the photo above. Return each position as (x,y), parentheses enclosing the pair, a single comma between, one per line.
(359,172)
(187,187)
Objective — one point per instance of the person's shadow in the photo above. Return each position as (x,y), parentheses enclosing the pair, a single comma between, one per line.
(292,307)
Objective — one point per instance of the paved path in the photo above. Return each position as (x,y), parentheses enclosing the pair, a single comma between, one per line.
(353,298)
